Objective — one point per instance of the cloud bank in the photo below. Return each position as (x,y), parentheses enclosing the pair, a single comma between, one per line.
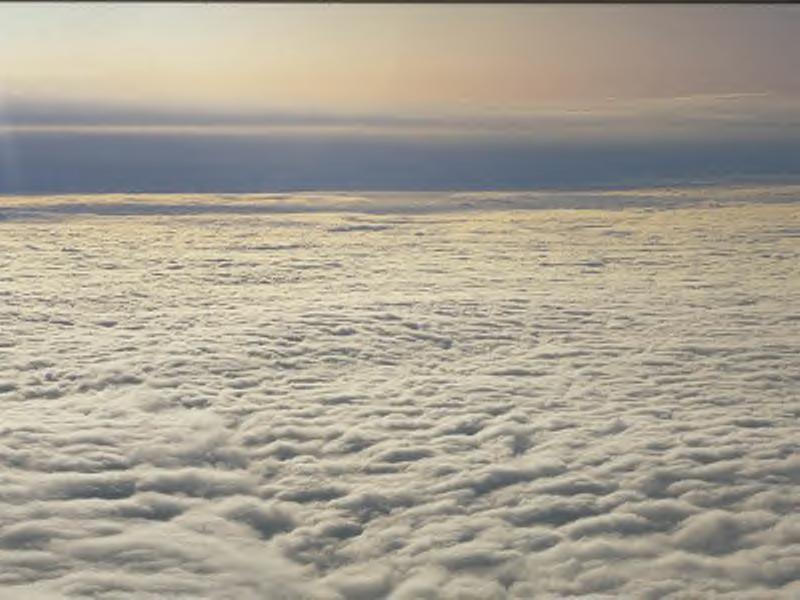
(506,404)
(75,148)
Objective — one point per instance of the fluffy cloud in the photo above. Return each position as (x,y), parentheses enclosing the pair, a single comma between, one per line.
(421,404)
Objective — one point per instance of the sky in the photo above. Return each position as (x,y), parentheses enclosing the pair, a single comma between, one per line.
(200,97)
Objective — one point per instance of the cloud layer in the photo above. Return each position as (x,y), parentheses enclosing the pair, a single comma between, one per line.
(96,148)
(498,404)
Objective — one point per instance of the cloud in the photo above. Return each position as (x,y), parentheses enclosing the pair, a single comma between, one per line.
(64,148)
(612,119)
(386,396)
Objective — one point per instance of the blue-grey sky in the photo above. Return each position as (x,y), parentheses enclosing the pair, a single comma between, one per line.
(172,98)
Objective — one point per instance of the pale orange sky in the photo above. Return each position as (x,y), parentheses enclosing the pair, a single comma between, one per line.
(113,97)
(392,58)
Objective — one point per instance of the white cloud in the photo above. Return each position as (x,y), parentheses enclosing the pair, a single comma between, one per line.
(255,406)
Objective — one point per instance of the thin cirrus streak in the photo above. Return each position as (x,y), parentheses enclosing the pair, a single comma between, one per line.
(708,115)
